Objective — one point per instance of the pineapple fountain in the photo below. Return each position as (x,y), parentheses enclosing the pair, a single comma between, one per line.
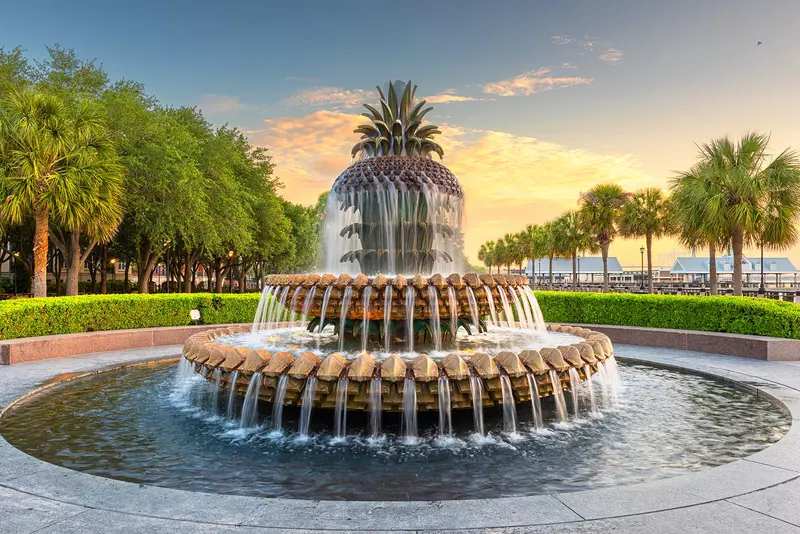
(388,332)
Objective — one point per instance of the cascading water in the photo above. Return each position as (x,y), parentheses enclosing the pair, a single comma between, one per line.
(490,300)
(409,423)
(259,317)
(476,390)
(340,412)
(387,317)
(506,308)
(308,403)
(536,402)
(473,309)
(307,304)
(232,394)
(278,310)
(538,318)
(509,407)
(453,307)
(293,306)
(592,401)
(277,405)
(326,297)
(375,407)
(574,382)
(348,294)
(558,395)
(410,317)
(523,321)
(436,331)
(365,305)
(250,406)
(217,389)
(445,414)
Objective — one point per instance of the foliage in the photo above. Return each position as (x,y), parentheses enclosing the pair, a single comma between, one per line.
(645,214)
(89,313)
(736,315)
(397,130)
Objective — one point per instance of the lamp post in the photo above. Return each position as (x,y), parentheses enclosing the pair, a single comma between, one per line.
(641,251)
(113,262)
(762,291)
(540,273)
(230,271)
(579,272)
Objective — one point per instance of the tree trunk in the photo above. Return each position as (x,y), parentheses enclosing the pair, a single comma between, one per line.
(73,263)
(712,269)
(187,278)
(41,238)
(217,275)
(604,250)
(738,245)
(103,270)
(649,242)
(242,279)
(575,270)
(145,265)
(550,276)
(127,276)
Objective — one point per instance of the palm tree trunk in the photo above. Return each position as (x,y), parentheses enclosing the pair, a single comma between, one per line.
(649,243)
(551,271)
(604,250)
(40,244)
(73,264)
(712,269)
(575,270)
(738,245)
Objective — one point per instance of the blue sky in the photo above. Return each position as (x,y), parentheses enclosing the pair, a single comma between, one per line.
(554,96)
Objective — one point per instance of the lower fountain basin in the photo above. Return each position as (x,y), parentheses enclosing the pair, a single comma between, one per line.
(138,425)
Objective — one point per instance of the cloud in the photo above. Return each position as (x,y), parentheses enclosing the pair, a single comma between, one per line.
(449,96)
(326,96)
(219,104)
(612,55)
(509,180)
(568,66)
(561,39)
(532,82)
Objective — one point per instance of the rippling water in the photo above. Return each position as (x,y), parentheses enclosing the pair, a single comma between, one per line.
(135,425)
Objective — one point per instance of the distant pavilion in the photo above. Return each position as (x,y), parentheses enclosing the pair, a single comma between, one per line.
(776,270)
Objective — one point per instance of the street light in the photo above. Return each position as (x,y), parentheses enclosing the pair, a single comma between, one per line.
(641,251)
(113,262)
(579,271)
(230,271)
(540,273)
(15,255)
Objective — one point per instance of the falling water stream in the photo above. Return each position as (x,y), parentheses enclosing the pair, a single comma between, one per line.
(453,307)
(365,304)
(536,402)
(445,415)
(340,412)
(558,395)
(574,382)
(409,422)
(375,407)
(476,390)
(387,317)
(506,308)
(509,406)
(348,295)
(436,331)
(410,317)
(250,406)
(473,309)
(326,297)
(308,404)
(277,405)
(490,300)
(232,395)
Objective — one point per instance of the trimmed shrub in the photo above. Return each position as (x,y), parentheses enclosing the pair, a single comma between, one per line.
(735,315)
(90,313)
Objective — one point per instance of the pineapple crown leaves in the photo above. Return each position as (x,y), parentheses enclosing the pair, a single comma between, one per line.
(396,128)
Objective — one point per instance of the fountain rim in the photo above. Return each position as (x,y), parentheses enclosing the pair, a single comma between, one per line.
(727,481)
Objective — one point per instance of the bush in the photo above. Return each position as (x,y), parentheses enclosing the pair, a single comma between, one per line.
(735,315)
(90,313)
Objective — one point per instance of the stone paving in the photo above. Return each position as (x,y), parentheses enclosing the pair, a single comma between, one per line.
(759,493)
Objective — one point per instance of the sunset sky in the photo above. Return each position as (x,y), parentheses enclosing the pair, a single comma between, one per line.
(537,100)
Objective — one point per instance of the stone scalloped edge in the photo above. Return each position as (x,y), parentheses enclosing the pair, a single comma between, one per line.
(236,366)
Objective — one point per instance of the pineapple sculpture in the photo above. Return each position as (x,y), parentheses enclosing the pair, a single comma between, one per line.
(406,206)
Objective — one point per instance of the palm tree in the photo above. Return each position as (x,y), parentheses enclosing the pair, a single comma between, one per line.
(500,253)
(600,208)
(688,219)
(746,186)
(551,245)
(531,242)
(486,254)
(515,251)
(573,239)
(51,158)
(644,214)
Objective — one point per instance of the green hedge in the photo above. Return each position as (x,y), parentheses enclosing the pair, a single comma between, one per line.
(735,315)
(64,315)
(90,313)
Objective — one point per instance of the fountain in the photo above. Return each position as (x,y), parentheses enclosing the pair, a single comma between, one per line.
(460,341)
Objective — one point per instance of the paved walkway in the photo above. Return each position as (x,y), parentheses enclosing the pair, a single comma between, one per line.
(759,493)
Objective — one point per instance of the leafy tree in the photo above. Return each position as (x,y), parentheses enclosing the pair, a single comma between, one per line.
(644,214)
(600,209)
(572,239)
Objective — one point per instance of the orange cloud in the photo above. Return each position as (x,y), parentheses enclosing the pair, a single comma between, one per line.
(509,181)
(612,55)
(532,82)
(324,96)
(219,104)
(449,96)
